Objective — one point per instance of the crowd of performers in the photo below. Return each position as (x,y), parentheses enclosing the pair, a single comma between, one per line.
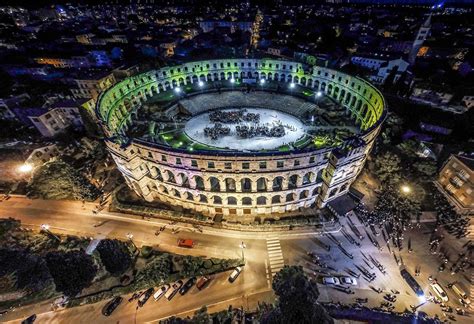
(216,131)
(233,117)
(243,130)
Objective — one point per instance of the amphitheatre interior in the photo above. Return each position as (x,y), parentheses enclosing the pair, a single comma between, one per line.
(179,121)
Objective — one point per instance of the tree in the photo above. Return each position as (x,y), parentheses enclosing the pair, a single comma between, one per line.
(72,271)
(426,168)
(58,180)
(157,270)
(297,299)
(387,167)
(115,256)
(30,270)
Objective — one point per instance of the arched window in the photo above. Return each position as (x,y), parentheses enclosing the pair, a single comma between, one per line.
(276,200)
(247,201)
(292,182)
(217,200)
(232,201)
(202,198)
(261,200)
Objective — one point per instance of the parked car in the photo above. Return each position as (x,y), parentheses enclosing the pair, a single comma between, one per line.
(161,292)
(439,291)
(145,296)
(348,281)
(235,274)
(203,282)
(331,281)
(187,243)
(187,285)
(111,306)
(461,293)
(29,320)
(174,289)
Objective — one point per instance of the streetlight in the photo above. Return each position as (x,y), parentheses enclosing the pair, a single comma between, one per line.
(201,84)
(242,247)
(319,94)
(25,168)
(177,89)
(232,80)
(262,81)
(45,227)
(292,85)
(130,237)
(406,189)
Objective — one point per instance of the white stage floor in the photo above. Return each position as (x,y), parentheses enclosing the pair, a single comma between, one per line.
(294,130)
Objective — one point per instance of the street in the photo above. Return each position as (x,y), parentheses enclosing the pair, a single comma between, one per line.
(265,254)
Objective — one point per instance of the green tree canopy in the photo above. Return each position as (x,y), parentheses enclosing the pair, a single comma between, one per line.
(58,180)
(115,256)
(72,271)
(297,299)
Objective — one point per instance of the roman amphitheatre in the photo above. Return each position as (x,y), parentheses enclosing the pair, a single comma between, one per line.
(241,138)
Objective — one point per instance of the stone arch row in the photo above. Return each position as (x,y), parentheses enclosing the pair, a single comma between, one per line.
(235,182)
(231,199)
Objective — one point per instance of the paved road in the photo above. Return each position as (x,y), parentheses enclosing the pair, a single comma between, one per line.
(265,255)
(74,218)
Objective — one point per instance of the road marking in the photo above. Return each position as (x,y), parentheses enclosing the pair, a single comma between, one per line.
(275,255)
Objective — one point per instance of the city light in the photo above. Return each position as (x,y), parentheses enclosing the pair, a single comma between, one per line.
(177,89)
(232,80)
(262,81)
(292,85)
(406,189)
(45,227)
(25,168)
(201,84)
(319,94)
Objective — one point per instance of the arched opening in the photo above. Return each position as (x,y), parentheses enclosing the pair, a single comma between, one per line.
(262,185)
(276,200)
(290,197)
(215,184)
(183,178)
(246,184)
(292,181)
(199,182)
(304,194)
(217,200)
(202,198)
(189,196)
(230,185)
(277,184)
(170,176)
(308,178)
(261,200)
(176,193)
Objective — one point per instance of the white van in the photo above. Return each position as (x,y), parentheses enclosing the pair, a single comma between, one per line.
(461,293)
(440,292)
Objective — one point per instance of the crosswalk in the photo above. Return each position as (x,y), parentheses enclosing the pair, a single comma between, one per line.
(275,255)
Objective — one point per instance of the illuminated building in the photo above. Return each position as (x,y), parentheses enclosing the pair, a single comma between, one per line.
(239,184)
